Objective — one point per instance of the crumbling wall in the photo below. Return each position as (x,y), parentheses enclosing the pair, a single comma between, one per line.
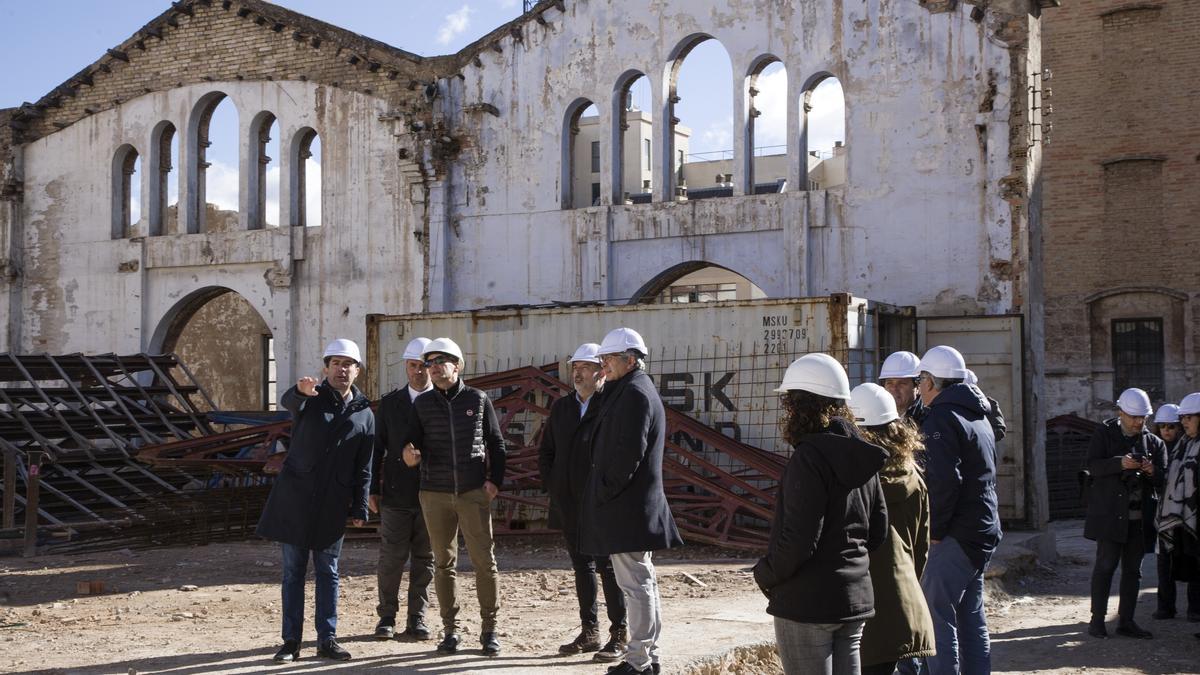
(934,126)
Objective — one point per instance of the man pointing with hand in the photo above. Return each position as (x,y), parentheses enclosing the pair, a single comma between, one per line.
(323,481)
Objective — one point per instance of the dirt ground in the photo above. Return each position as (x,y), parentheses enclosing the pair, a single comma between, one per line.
(147,622)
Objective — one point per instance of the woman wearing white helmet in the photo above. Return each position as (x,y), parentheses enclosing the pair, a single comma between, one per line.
(902,628)
(1177,514)
(829,514)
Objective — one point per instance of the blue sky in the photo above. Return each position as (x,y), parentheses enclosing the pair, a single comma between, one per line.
(51,40)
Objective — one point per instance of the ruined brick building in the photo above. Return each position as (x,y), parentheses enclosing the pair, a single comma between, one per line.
(1122,194)
(446,181)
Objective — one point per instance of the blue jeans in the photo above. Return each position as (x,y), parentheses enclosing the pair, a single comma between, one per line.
(295,568)
(953,587)
(818,648)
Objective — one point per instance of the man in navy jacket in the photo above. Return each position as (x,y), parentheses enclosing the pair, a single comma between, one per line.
(324,480)
(964,528)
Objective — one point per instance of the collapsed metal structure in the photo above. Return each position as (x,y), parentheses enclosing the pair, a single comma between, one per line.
(123,456)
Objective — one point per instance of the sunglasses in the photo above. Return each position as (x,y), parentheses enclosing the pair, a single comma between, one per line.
(439,360)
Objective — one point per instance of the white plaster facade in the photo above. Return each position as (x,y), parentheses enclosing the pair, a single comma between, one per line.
(926,217)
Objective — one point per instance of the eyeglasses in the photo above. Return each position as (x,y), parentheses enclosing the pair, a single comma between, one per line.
(438,360)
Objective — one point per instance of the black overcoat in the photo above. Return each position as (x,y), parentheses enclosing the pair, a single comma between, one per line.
(397,482)
(565,459)
(625,509)
(327,472)
(1108,495)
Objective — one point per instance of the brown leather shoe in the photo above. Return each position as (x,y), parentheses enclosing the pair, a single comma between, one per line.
(588,640)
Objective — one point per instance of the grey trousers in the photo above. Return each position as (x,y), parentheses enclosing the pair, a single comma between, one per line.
(814,648)
(403,539)
(635,576)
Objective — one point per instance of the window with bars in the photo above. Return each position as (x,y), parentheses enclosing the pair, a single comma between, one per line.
(1137,349)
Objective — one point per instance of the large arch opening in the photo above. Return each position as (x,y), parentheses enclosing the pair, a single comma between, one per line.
(633,139)
(164,192)
(226,345)
(696,281)
(265,174)
(214,176)
(305,178)
(823,132)
(766,161)
(701,127)
(581,155)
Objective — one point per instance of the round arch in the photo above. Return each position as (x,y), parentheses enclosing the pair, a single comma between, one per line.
(652,290)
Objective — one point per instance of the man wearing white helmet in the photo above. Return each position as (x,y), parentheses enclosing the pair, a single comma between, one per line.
(455,438)
(899,376)
(964,526)
(395,487)
(625,514)
(1126,465)
(564,461)
(1168,428)
(1177,517)
(324,480)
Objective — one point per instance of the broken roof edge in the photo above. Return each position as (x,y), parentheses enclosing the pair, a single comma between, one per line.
(350,40)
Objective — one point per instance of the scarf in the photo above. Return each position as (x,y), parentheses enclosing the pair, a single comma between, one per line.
(1178,508)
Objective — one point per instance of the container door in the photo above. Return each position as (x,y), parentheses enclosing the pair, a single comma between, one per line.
(992,347)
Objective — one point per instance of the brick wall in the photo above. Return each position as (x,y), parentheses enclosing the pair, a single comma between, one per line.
(1122,188)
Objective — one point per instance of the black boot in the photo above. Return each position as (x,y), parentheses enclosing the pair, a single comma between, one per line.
(1096,628)
(386,628)
(491,644)
(588,640)
(614,649)
(1128,628)
(449,643)
(416,628)
(290,651)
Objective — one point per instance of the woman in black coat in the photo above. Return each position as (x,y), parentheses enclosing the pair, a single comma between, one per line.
(829,515)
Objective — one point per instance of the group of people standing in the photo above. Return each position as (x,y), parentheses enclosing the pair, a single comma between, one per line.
(1140,485)
(431,459)
(885,520)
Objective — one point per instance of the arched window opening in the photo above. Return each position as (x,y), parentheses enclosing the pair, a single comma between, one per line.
(766,128)
(823,132)
(215,208)
(696,281)
(264,186)
(228,347)
(164,192)
(633,143)
(306,179)
(581,156)
(701,102)
(126,191)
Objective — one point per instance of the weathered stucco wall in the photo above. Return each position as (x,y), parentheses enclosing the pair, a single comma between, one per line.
(222,345)
(929,100)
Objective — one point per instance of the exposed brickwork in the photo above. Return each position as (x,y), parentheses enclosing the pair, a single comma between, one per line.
(1122,186)
(214,40)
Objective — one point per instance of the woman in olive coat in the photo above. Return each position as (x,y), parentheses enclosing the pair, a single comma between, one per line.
(902,628)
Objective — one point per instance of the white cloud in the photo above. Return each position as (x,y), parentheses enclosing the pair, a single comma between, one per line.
(221,186)
(273,196)
(717,137)
(508,4)
(827,119)
(770,128)
(312,193)
(454,25)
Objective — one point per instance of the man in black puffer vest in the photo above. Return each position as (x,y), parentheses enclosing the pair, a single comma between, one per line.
(455,437)
(403,537)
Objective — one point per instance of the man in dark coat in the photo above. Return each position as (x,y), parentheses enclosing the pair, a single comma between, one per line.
(1127,466)
(403,537)
(964,517)
(323,481)
(625,512)
(564,461)
(455,437)
(1170,430)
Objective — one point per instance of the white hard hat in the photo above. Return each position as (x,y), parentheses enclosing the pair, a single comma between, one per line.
(971,378)
(1135,402)
(873,405)
(1190,405)
(944,362)
(819,374)
(343,347)
(1168,413)
(622,339)
(900,364)
(443,345)
(415,351)
(588,352)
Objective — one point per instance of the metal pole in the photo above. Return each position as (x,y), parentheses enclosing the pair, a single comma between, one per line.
(10,490)
(33,478)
